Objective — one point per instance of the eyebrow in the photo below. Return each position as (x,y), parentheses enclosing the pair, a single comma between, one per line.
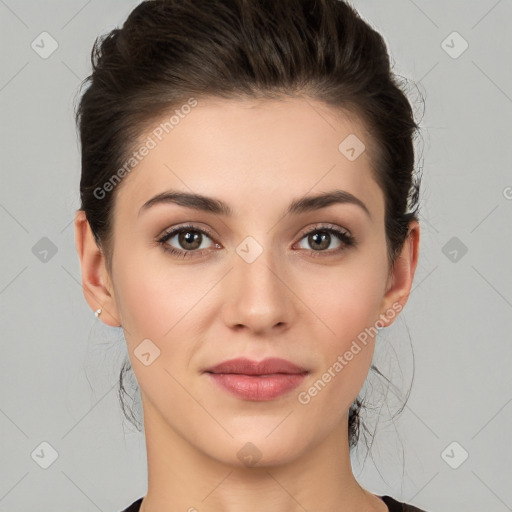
(218,207)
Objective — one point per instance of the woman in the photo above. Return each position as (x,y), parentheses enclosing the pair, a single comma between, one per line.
(249,218)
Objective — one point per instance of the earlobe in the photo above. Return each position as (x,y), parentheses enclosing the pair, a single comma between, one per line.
(96,284)
(401,278)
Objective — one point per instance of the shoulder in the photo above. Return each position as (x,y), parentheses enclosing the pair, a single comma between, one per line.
(398,506)
(134,507)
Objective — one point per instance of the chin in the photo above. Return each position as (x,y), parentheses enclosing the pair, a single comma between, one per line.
(258,450)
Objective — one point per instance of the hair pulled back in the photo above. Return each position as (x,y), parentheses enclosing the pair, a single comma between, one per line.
(169,51)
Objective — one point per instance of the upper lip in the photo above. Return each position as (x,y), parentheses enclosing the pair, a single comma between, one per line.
(244,366)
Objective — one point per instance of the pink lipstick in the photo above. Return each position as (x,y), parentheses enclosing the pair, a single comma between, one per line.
(261,381)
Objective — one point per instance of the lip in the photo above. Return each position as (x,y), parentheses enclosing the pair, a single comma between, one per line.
(242,365)
(253,380)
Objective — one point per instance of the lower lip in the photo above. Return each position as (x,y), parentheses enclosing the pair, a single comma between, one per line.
(258,387)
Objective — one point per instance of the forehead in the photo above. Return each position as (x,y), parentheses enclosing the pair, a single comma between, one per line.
(249,152)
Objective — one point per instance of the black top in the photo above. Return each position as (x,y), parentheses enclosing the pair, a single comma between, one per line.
(393,505)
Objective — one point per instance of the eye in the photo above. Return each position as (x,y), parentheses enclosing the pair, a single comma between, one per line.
(189,239)
(321,237)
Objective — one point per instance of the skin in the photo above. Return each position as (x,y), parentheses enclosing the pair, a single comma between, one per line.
(257,156)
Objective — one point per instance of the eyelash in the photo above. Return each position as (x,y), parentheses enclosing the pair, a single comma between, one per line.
(346,239)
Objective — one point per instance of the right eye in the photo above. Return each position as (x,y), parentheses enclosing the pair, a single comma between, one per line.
(189,239)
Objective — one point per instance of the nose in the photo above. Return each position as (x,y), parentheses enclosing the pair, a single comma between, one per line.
(257,296)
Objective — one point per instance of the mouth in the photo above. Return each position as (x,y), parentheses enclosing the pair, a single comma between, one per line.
(257,381)
(269,366)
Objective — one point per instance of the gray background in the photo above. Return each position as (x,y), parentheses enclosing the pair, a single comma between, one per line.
(59,365)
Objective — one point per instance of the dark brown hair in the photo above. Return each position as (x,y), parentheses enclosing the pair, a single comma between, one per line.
(168,51)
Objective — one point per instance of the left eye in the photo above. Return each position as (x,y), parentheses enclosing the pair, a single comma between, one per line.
(321,238)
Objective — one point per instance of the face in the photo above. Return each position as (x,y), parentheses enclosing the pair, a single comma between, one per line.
(258,282)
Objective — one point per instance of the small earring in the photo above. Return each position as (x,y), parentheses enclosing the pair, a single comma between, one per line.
(97,313)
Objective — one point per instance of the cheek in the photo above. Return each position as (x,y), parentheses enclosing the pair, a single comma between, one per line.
(348,308)
(160,303)
(346,301)
(348,349)
(146,306)
(161,308)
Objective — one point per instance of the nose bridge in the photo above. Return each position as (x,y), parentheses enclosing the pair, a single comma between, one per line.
(258,297)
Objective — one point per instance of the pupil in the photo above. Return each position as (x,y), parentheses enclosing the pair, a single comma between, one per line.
(323,237)
(190,238)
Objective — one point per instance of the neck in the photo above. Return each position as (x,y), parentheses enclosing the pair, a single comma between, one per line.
(182,477)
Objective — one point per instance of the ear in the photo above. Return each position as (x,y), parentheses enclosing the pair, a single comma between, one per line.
(96,283)
(401,277)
